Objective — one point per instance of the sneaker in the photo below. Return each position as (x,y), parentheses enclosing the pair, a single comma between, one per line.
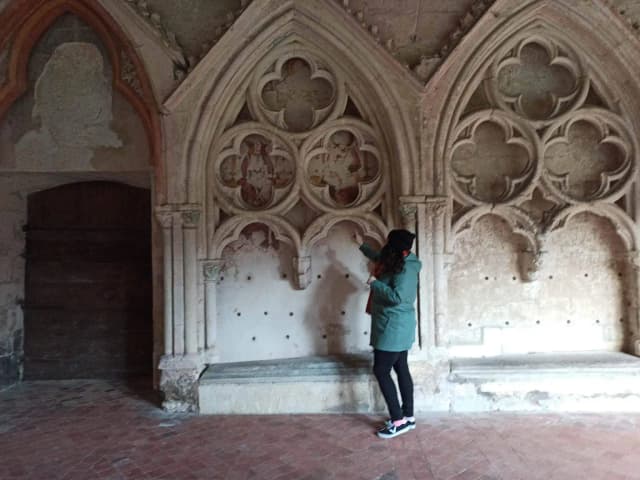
(411,422)
(393,430)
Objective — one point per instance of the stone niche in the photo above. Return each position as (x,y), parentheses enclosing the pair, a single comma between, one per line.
(262,315)
(576,303)
(70,125)
(299,171)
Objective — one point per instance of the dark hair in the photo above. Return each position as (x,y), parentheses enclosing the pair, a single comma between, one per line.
(392,260)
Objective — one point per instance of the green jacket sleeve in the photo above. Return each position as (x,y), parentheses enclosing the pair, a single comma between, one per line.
(402,288)
(369,252)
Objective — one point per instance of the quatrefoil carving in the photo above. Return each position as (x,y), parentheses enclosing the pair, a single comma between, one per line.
(538,80)
(493,160)
(588,157)
(342,166)
(297,94)
(256,169)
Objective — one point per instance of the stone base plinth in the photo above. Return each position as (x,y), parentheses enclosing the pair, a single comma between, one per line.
(301,385)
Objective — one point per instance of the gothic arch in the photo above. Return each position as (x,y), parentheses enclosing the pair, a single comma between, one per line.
(28,21)
(565,20)
(229,65)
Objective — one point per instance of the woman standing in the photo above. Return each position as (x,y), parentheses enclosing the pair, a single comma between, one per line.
(394,287)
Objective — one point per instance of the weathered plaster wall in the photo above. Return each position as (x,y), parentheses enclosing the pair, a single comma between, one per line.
(576,303)
(263,316)
(69,126)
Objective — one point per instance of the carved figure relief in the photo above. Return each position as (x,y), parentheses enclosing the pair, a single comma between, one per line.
(75,112)
(296,95)
(256,171)
(342,167)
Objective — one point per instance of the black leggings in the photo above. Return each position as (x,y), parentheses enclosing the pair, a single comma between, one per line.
(382,364)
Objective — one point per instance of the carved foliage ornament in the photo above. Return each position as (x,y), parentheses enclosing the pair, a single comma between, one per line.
(295,94)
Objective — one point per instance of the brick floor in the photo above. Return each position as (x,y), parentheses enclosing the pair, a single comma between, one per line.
(111,430)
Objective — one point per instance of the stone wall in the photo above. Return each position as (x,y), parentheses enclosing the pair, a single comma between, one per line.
(69,126)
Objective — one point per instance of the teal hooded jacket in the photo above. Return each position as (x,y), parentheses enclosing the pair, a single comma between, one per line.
(393,315)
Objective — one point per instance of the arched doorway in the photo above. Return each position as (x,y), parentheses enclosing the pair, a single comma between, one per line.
(88,286)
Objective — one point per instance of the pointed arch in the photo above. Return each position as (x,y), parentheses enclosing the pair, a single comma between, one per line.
(272,25)
(28,21)
(462,72)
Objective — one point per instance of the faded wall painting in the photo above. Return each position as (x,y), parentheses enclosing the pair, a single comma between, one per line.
(71,118)
(74,111)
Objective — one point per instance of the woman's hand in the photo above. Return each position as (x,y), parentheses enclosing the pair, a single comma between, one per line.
(357,238)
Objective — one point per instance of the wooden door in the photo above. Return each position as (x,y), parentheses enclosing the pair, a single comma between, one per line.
(88,286)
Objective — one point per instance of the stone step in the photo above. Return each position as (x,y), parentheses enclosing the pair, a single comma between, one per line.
(331,384)
(581,381)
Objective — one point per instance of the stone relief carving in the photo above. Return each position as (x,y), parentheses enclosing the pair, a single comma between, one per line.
(493,159)
(588,156)
(296,94)
(540,143)
(256,170)
(75,112)
(141,7)
(129,74)
(342,165)
(538,79)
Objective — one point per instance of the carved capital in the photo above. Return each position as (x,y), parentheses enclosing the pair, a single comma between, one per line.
(190,218)
(408,213)
(165,218)
(211,270)
(436,206)
(302,269)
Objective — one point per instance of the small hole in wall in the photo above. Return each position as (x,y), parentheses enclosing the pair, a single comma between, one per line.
(506,323)
(365,332)
(486,278)
(324,336)
(291,314)
(469,324)
(586,275)
(597,321)
(284,275)
(221,279)
(266,313)
(238,314)
(253,339)
(537,322)
(550,277)
(622,12)
(568,322)
(342,312)
(248,277)
(346,275)
(621,320)
(287,337)
(619,274)
(319,276)
(513,278)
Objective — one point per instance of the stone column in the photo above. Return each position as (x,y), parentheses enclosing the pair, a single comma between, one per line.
(166,221)
(436,222)
(408,219)
(181,363)
(190,220)
(211,272)
(633,294)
